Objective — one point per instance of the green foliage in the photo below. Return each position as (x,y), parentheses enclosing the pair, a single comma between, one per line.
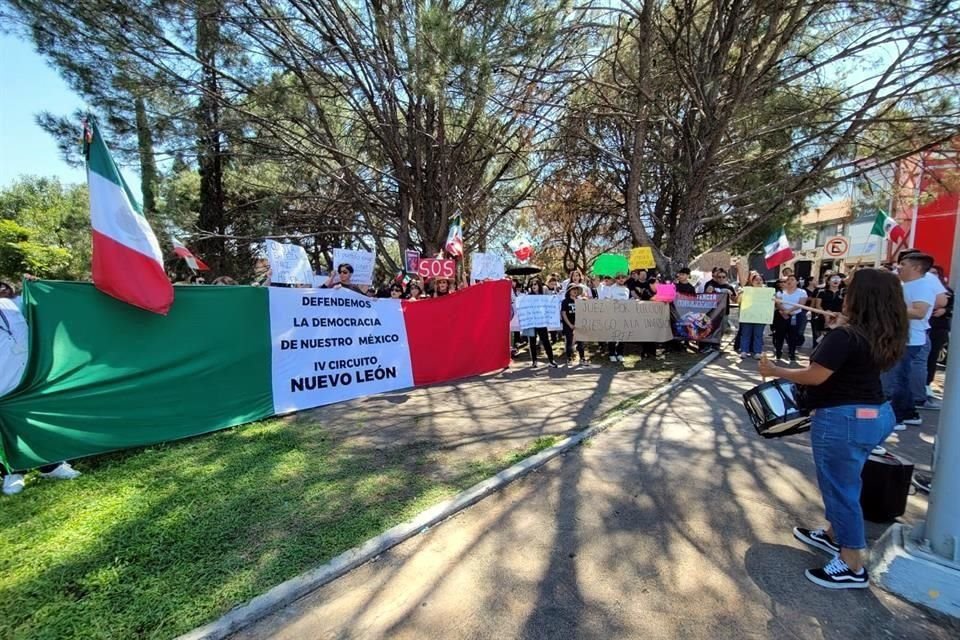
(44,230)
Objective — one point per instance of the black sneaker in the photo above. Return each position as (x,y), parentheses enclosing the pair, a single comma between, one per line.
(837,575)
(921,482)
(816,538)
(554,364)
(915,419)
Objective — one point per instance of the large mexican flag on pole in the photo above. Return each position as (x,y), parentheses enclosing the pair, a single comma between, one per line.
(102,375)
(127,261)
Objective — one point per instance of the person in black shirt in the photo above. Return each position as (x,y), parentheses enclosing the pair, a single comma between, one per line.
(939,332)
(684,287)
(568,317)
(828,298)
(641,286)
(850,415)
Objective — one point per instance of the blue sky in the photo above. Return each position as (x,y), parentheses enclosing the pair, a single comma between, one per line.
(30,86)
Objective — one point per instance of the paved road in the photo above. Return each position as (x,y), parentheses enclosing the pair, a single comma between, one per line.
(672,524)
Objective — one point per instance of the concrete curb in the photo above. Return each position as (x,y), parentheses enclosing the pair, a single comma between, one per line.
(295,588)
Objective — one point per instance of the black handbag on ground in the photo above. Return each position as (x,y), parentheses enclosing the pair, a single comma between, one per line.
(886,484)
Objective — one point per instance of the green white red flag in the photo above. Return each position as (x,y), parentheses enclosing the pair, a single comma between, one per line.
(127,260)
(886,227)
(776,249)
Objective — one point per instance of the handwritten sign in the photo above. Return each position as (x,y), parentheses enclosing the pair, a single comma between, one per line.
(361,261)
(756,305)
(486,265)
(288,263)
(411,258)
(622,321)
(642,258)
(436,268)
(538,311)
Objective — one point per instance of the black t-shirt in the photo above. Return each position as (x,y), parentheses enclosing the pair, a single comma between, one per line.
(943,322)
(720,287)
(569,307)
(643,290)
(830,300)
(686,289)
(856,377)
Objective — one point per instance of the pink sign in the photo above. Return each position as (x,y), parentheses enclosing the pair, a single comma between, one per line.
(666,292)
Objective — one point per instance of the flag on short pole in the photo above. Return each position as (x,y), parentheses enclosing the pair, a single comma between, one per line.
(886,227)
(127,261)
(195,263)
(402,278)
(776,249)
(454,244)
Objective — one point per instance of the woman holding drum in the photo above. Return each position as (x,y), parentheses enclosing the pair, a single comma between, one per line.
(849,415)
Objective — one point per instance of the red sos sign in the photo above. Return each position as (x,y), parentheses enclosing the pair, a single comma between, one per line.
(436,268)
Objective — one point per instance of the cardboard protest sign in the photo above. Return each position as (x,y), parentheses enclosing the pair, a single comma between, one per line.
(622,321)
(361,261)
(486,265)
(642,258)
(756,305)
(288,263)
(538,311)
(610,264)
(436,268)
(699,317)
(411,258)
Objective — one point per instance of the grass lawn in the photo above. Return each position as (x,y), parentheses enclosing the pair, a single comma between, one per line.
(160,540)
(153,542)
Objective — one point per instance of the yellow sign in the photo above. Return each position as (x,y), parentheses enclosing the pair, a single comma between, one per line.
(642,258)
(756,305)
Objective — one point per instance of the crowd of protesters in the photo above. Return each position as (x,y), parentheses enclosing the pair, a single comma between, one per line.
(907,385)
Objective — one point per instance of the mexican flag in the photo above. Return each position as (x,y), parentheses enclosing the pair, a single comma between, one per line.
(886,227)
(776,249)
(521,248)
(454,244)
(127,261)
(195,263)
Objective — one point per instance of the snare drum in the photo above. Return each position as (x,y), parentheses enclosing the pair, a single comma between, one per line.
(773,409)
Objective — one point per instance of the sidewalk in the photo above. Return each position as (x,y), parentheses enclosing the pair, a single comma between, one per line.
(674,523)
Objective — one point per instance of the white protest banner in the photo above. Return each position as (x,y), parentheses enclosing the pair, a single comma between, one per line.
(538,311)
(622,321)
(331,345)
(361,261)
(288,263)
(485,266)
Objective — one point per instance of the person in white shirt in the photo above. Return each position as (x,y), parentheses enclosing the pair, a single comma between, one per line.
(616,291)
(790,320)
(13,361)
(905,385)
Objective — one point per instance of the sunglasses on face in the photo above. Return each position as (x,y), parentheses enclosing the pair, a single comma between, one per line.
(344,273)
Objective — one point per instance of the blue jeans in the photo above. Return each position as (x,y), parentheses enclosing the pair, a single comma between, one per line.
(751,337)
(842,441)
(905,385)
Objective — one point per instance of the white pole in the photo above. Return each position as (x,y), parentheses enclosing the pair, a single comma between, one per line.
(943,512)
(916,207)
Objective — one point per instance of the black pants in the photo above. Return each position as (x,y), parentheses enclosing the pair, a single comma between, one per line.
(568,342)
(818,327)
(615,348)
(544,336)
(938,338)
(783,330)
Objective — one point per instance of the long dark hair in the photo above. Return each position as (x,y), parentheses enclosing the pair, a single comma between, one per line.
(876,310)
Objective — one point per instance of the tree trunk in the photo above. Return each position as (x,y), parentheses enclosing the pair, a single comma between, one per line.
(148,165)
(209,145)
